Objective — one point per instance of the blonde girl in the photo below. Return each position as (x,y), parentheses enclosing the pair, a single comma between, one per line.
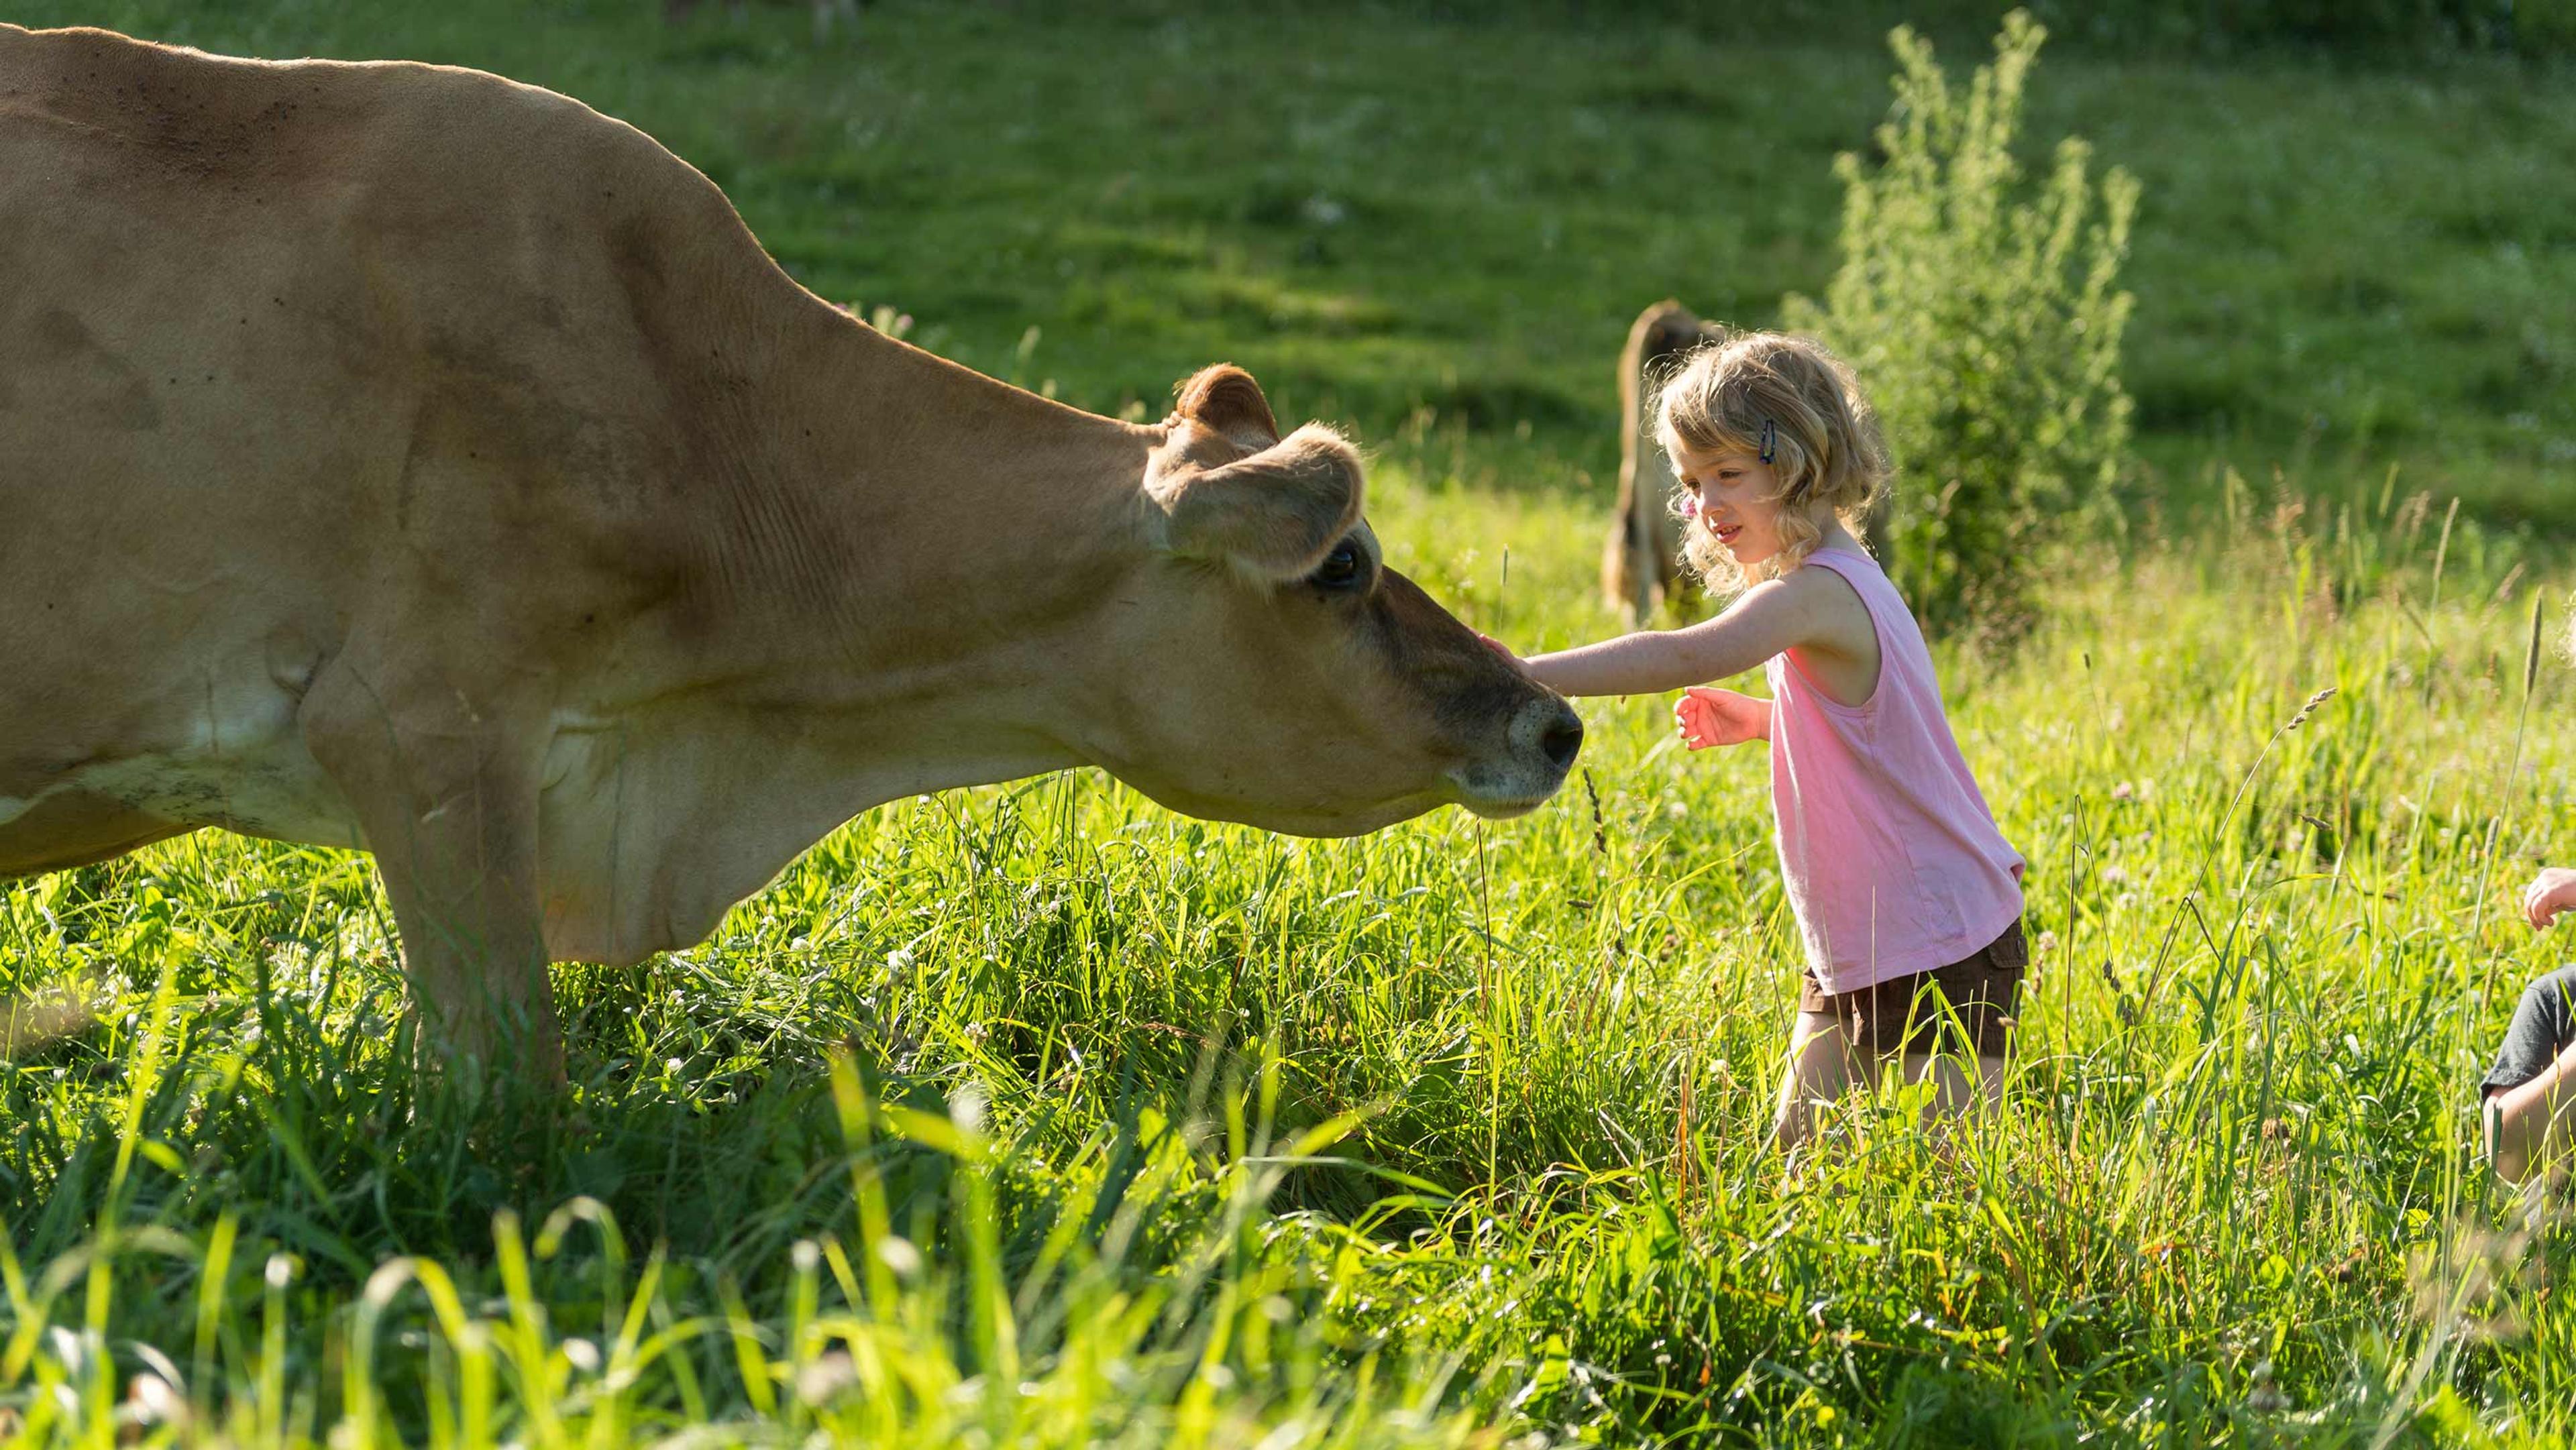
(1908,899)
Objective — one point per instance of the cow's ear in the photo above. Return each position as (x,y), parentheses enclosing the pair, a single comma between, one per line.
(1224,399)
(1274,515)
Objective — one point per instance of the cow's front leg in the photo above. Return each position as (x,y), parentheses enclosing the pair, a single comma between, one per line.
(444,786)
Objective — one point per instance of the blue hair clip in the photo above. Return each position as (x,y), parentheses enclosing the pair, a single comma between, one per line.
(1770,439)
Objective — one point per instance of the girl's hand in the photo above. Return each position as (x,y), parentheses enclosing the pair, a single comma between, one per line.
(1708,717)
(2550,892)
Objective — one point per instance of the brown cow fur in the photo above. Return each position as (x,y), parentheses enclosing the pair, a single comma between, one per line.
(393,456)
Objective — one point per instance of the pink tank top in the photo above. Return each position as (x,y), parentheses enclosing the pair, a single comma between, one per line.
(1892,861)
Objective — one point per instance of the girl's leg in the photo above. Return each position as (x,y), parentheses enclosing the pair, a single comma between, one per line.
(1819,1071)
(1972,1007)
(1953,1095)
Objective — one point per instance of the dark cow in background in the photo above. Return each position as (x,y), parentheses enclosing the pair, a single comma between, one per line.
(1641,564)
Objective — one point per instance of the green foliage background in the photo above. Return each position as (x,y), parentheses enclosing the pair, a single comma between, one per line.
(1986,312)
(1161,1133)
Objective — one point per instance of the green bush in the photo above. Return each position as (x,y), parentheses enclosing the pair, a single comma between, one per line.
(1985,322)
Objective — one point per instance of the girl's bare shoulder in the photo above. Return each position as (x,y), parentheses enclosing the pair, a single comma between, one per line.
(1838,618)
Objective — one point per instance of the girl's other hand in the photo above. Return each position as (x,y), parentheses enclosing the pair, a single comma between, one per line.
(1707,717)
(2550,892)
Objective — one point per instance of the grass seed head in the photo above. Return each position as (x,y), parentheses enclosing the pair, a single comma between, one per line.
(2531,654)
(2310,708)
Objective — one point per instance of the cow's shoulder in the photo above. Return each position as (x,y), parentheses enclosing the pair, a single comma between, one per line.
(450,136)
(502,155)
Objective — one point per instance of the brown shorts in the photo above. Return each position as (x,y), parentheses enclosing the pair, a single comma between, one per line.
(1910,1013)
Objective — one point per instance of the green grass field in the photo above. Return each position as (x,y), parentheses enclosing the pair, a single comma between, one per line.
(1038,1116)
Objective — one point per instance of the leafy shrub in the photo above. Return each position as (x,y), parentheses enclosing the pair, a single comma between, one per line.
(1985,323)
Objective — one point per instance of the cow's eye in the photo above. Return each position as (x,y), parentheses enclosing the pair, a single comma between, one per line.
(1341,568)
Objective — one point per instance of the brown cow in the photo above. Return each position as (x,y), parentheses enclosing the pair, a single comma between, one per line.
(397,457)
(1641,568)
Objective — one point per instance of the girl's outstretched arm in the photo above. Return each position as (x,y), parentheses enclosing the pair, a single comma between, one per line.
(1769,617)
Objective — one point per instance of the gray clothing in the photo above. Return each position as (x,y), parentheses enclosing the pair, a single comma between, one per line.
(2544,1022)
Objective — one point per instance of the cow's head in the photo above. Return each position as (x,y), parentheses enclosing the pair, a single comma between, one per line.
(1281,673)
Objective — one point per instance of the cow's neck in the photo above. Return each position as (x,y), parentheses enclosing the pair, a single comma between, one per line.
(915,553)
(894,576)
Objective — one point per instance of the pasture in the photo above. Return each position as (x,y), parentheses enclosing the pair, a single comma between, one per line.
(1037,1116)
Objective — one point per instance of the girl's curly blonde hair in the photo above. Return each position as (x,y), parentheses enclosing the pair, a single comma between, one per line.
(1827,452)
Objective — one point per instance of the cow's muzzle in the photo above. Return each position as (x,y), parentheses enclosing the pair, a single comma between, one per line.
(1538,748)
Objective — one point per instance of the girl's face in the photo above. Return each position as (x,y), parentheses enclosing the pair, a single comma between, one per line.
(1737,500)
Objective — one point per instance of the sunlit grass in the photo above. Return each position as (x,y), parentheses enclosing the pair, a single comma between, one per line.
(1191,1126)
(1038,1116)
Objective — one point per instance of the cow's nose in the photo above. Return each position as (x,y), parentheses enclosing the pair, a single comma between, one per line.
(1539,747)
(1562,738)
(1545,735)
